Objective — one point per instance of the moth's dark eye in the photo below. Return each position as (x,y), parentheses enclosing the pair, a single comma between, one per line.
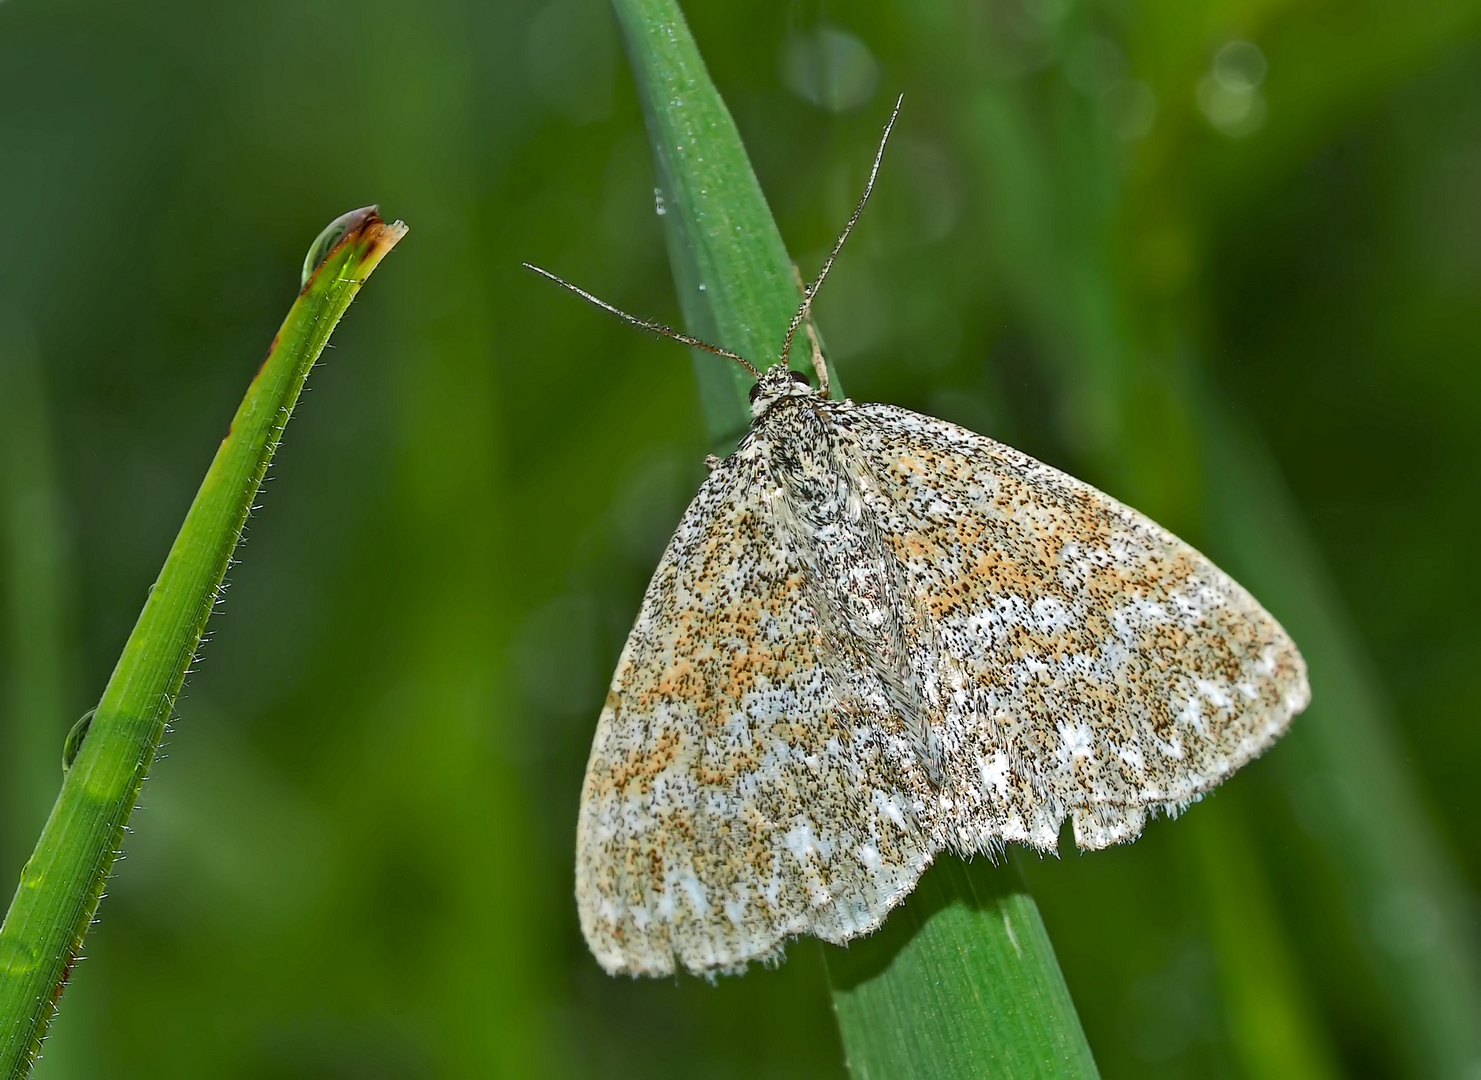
(798,377)
(755,393)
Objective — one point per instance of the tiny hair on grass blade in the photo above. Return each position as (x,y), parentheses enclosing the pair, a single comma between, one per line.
(61,884)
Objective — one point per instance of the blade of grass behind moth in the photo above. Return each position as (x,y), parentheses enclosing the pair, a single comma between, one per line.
(935,993)
(1404,899)
(968,968)
(61,884)
(731,268)
(1275,1030)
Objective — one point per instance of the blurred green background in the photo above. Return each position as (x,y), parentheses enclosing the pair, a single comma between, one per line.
(1223,259)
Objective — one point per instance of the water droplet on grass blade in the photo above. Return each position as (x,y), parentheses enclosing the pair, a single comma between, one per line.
(73,743)
(329,239)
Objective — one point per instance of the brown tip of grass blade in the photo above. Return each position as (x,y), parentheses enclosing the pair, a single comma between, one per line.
(379,237)
(370,238)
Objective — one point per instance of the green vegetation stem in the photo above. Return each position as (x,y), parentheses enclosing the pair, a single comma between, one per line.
(62,883)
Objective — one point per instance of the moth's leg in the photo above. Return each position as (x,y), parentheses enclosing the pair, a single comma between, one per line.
(819,366)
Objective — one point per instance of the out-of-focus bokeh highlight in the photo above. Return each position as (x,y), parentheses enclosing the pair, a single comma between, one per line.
(1103,232)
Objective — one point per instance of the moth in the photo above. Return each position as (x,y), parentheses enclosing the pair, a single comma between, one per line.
(876,636)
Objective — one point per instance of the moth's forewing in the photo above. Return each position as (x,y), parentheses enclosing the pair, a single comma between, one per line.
(727,806)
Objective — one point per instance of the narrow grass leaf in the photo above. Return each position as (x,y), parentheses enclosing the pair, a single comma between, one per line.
(935,993)
(735,281)
(62,883)
(1403,896)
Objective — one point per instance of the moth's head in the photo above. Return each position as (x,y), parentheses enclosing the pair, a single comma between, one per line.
(777,382)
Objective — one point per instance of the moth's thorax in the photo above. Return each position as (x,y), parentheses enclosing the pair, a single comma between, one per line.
(855,584)
(777,383)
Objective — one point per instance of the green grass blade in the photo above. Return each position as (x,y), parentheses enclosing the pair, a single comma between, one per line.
(967,967)
(1274,1030)
(735,281)
(1381,843)
(934,993)
(62,883)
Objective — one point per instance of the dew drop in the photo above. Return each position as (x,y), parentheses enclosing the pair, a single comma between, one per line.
(333,233)
(32,875)
(73,744)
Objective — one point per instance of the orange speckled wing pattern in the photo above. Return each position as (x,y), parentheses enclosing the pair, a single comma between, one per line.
(876,636)
(1097,666)
(729,802)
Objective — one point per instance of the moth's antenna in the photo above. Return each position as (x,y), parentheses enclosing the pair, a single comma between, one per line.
(812,290)
(645,324)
